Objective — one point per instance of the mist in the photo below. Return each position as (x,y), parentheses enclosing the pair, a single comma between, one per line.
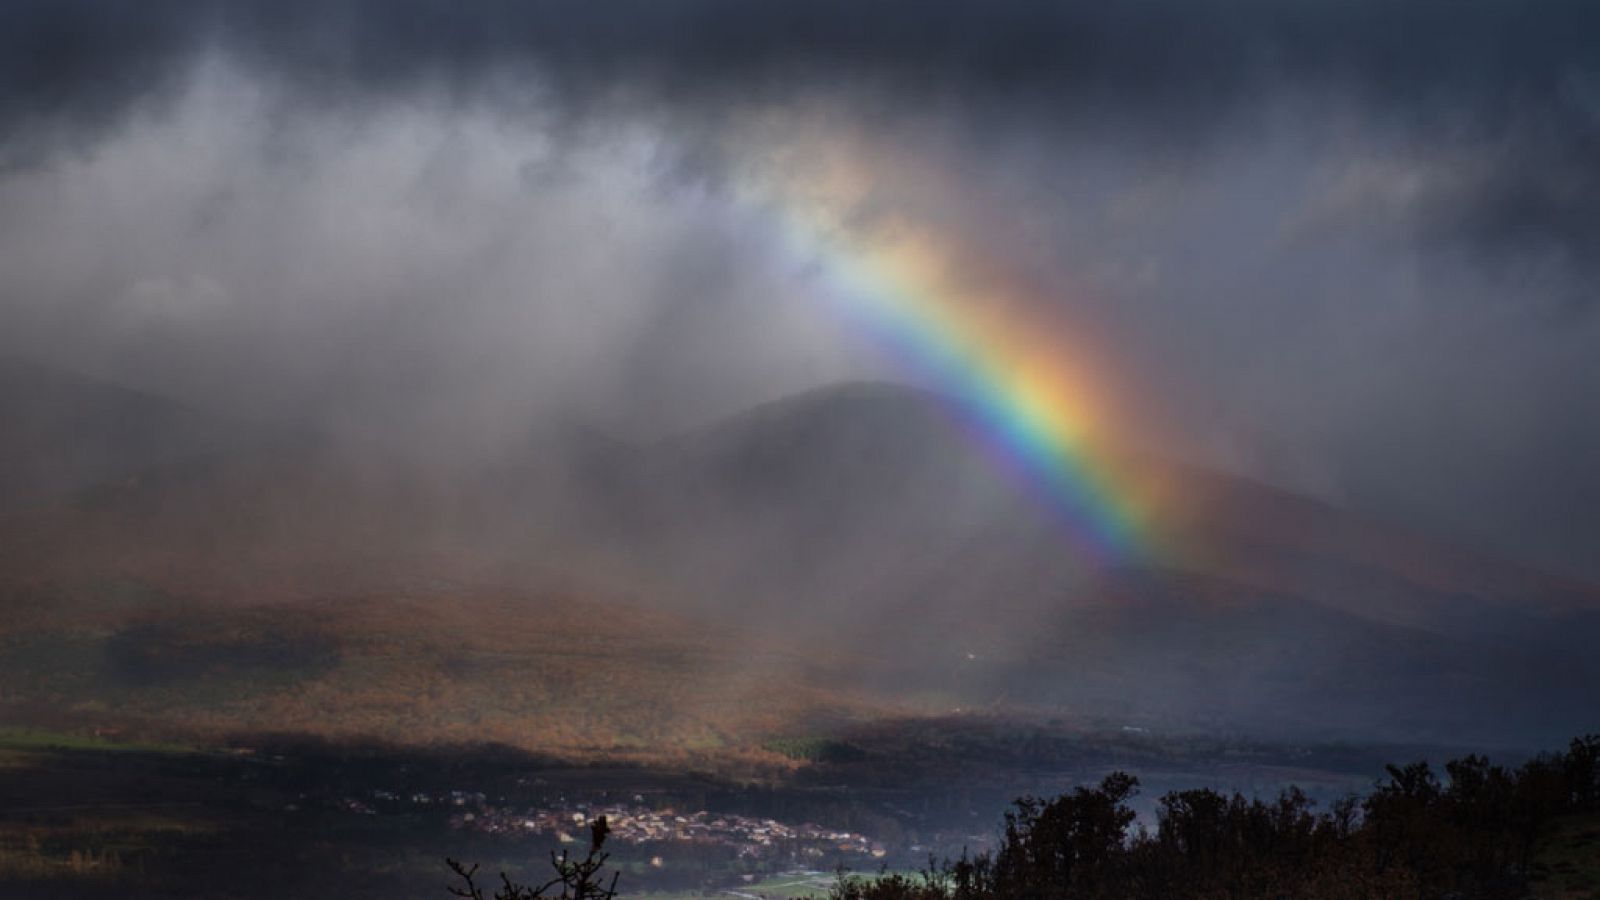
(511,299)
(1339,252)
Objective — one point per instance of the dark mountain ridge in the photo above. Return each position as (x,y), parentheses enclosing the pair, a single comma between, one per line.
(861,513)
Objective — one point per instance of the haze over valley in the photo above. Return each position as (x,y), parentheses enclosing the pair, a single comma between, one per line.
(840,554)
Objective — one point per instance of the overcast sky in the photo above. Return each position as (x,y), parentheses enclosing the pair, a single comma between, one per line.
(1348,247)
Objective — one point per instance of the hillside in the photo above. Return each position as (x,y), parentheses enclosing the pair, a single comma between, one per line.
(866,504)
(841,555)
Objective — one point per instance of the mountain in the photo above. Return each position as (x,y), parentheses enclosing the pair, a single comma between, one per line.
(849,552)
(863,516)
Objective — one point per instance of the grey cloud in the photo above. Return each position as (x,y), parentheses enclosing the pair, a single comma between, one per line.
(1167,150)
(1518,77)
(1493,60)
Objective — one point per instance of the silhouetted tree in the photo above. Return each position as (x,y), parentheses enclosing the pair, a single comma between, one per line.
(575,879)
(1471,837)
(1069,847)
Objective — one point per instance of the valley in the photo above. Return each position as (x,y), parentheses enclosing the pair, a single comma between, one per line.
(825,632)
(105,816)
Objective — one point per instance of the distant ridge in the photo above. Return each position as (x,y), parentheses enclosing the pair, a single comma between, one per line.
(1215,520)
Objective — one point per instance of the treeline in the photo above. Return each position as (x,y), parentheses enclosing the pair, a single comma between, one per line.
(1472,834)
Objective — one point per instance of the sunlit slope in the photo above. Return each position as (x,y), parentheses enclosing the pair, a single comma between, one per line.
(561,674)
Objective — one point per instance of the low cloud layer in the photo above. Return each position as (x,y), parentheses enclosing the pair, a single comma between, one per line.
(1347,247)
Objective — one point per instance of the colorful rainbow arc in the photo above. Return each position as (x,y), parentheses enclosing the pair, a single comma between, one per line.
(1007,381)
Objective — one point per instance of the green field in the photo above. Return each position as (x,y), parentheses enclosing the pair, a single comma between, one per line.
(19,744)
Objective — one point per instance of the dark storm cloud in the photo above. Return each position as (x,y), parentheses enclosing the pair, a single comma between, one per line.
(1522,79)
(83,55)
(71,69)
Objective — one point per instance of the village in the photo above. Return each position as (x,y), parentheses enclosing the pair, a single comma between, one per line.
(749,837)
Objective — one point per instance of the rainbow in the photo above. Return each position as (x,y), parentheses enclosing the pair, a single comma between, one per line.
(1003,371)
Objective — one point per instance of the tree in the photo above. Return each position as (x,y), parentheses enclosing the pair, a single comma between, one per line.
(576,879)
(1072,846)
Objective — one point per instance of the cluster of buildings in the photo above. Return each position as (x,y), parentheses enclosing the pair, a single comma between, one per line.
(752,837)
